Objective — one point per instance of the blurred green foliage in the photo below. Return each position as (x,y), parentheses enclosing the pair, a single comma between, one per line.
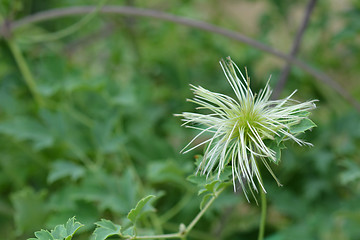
(106,136)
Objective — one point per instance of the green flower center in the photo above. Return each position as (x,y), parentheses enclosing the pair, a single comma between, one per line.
(241,119)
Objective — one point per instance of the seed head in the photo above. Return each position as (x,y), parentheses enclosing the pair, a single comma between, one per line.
(243,128)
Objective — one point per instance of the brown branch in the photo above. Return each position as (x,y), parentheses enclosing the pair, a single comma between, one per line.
(294,50)
(126,10)
(57,13)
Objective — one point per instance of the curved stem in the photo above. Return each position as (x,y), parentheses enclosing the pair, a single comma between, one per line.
(56,13)
(183,233)
(263,215)
(71,29)
(162,236)
(201,213)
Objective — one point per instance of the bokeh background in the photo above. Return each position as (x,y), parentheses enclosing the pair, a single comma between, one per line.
(93,130)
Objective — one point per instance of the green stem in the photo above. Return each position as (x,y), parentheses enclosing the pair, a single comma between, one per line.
(201,213)
(183,234)
(162,236)
(263,214)
(25,71)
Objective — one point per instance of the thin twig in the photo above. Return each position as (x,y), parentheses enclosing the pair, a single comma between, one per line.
(295,48)
(126,10)
(57,13)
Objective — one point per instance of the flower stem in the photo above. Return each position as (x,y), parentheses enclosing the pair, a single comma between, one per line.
(263,215)
(197,218)
(183,234)
(171,235)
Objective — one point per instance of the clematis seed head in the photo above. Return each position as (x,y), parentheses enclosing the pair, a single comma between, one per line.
(242,127)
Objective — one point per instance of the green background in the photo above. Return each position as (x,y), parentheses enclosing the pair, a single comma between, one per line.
(105,136)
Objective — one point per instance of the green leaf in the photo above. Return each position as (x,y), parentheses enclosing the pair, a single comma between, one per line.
(280,138)
(43,235)
(205,199)
(226,174)
(210,183)
(62,168)
(25,128)
(130,232)
(120,191)
(30,209)
(351,172)
(135,212)
(302,114)
(222,185)
(60,232)
(211,186)
(106,228)
(197,179)
(71,227)
(277,147)
(168,171)
(302,126)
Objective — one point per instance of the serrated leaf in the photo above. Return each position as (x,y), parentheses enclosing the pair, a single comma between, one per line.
(43,235)
(279,138)
(302,126)
(208,183)
(222,185)
(134,213)
(71,227)
(197,179)
(277,147)
(130,232)
(211,183)
(211,186)
(60,232)
(106,228)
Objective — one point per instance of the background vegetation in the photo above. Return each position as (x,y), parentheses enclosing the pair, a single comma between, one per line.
(95,132)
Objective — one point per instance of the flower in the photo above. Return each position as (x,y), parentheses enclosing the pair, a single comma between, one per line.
(242,127)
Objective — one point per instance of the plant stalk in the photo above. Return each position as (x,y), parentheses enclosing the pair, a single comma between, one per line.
(201,213)
(183,234)
(263,214)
